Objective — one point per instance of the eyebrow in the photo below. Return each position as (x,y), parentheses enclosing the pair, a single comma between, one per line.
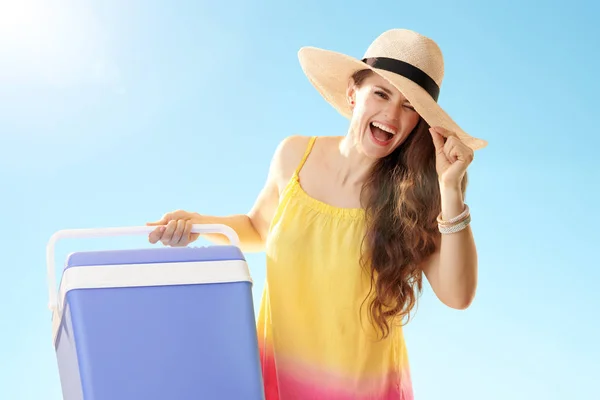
(388,91)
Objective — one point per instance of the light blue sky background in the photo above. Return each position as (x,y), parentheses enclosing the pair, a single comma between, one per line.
(113,112)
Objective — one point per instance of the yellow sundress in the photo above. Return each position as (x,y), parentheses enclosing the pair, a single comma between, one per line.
(316,340)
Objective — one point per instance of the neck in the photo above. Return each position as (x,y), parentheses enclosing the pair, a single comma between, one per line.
(354,167)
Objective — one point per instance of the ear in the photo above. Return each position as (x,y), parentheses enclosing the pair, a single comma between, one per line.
(351,94)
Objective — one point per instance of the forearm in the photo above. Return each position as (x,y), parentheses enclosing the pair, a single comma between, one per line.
(457,271)
(250,239)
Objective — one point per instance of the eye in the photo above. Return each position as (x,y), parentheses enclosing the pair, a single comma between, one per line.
(382,94)
(409,107)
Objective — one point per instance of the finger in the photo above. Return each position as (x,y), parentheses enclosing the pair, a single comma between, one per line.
(177,235)
(463,153)
(187,232)
(459,150)
(156,234)
(438,140)
(161,221)
(453,155)
(168,233)
(450,149)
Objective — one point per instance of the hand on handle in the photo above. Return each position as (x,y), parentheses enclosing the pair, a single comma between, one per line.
(175,228)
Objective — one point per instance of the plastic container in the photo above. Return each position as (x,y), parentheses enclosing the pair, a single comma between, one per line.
(158,323)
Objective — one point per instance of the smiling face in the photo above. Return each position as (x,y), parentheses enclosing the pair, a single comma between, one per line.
(382,117)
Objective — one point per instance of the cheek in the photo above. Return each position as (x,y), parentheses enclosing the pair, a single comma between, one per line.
(410,119)
(371,105)
(366,110)
(363,111)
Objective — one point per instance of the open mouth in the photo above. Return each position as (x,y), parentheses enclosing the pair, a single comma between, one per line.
(380,133)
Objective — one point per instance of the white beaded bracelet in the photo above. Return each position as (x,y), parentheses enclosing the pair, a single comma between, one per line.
(445,230)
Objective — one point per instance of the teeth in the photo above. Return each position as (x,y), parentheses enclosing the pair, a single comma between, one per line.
(383,128)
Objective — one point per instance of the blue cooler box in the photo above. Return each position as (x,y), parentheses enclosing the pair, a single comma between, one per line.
(160,323)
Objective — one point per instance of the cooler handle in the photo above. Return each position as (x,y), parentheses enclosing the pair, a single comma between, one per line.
(120,231)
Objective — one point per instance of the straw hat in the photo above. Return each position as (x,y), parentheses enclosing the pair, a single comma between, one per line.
(410,61)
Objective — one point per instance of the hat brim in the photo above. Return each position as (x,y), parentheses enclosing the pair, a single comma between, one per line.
(329,71)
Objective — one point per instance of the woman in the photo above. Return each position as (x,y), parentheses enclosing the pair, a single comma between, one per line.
(350,224)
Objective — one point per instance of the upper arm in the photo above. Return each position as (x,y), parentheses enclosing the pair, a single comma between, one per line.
(431,270)
(285,159)
(451,291)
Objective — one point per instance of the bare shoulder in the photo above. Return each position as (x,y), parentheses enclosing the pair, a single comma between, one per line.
(287,157)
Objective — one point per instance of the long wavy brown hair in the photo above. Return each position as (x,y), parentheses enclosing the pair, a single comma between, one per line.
(402,201)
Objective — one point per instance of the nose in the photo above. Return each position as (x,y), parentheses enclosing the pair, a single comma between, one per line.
(393,112)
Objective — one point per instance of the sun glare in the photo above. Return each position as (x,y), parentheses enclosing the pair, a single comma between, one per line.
(24,24)
(51,42)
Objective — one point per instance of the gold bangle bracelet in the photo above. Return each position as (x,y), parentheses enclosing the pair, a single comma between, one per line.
(456,220)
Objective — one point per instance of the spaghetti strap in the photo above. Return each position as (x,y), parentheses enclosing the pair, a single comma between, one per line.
(311,143)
